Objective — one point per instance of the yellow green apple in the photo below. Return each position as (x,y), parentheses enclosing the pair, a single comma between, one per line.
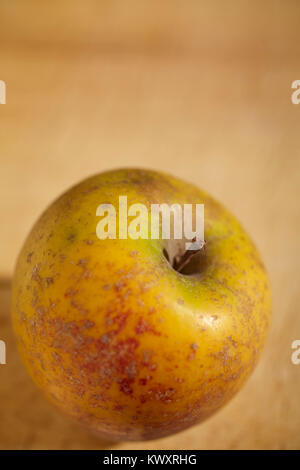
(119,339)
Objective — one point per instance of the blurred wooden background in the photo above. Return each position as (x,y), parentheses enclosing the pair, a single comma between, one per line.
(201,89)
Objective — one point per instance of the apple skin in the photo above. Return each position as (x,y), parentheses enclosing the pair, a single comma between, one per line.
(114,336)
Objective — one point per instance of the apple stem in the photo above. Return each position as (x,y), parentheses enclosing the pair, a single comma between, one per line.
(181,261)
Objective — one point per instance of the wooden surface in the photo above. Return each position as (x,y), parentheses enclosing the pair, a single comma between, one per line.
(198,89)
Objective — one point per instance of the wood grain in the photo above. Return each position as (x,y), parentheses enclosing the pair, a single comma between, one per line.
(198,89)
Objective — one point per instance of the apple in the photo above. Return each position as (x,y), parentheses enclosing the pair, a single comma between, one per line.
(133,338)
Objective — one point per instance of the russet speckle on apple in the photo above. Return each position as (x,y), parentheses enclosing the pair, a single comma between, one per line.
(118,337)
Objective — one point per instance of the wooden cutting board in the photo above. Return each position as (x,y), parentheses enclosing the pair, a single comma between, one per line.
(201,91)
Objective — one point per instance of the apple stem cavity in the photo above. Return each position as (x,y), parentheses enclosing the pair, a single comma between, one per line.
(180,261)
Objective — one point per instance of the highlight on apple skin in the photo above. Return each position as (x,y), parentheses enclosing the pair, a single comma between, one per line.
(116,337)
